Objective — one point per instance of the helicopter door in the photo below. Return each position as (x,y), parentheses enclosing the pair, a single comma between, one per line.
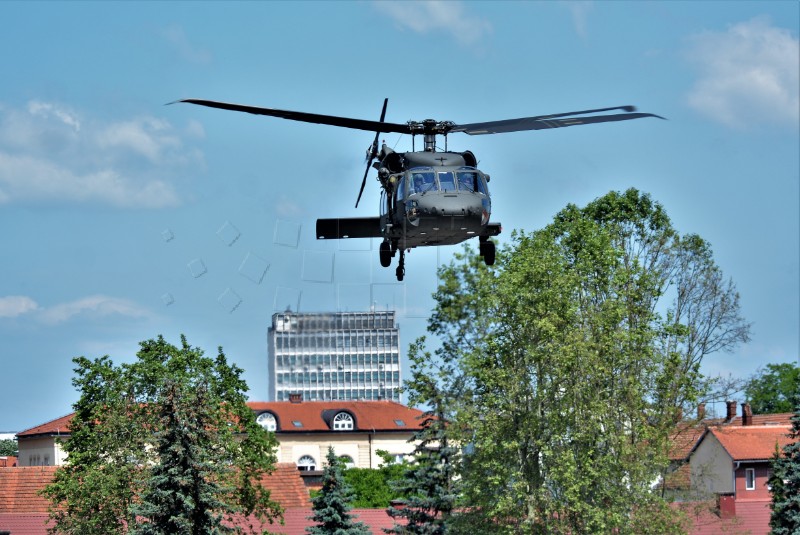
(400,195)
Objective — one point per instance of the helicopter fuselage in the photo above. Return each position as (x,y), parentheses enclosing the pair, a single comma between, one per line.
(427,199)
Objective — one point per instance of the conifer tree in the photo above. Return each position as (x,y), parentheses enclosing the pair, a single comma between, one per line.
(332,506)
(429,483)
(180,495)
(785,482)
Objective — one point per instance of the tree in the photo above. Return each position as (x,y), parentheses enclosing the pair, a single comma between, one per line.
(772,390)
(574,356)
(180,495)
(117,452)
(332,505)
(371,486)
(9,447)
(785,482)
(429,484)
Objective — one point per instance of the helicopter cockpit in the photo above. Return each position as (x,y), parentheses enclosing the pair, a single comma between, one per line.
(465,179)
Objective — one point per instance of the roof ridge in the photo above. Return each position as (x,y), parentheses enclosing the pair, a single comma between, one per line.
(47,422)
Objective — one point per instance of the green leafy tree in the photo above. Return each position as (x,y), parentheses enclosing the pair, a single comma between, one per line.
(371,486)
(332,505)
(429,483)
(9,447)
(785,482)
(773,389)
(573,356)
(113,450)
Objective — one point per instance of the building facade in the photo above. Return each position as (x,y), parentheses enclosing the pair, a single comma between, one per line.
(334,356)
(356,430)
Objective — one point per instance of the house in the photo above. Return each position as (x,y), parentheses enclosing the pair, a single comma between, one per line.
(356,430)
(730,463)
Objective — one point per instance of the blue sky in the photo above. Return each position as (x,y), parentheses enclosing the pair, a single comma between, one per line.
(124,218)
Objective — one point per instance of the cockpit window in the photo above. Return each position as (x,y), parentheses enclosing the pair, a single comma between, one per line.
(447,181)
(422,181)
(467,180)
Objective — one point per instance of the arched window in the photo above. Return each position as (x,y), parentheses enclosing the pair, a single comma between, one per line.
(267,421)
(347,461)
(342,422)
(306,463)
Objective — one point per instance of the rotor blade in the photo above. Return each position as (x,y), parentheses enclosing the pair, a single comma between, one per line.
(363,183)
(345,122)
(372,152)
(547,121)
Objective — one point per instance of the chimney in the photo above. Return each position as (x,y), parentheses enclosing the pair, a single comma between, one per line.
(747,414)
(701,411)
(731,411)
(726,505)
(296,398)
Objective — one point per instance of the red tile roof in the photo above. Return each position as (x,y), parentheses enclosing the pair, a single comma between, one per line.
(53,427)
(688,433)
(19,487)
(286,486)
(25,523)
(751,443)
(295,522)
(368,415)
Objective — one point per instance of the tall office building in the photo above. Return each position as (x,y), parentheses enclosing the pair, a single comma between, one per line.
(342,355)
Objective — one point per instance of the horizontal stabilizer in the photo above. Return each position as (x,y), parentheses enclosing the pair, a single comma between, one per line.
(492,229)
(353,227)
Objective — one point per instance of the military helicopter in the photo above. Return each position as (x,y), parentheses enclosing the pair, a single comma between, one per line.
(428,197)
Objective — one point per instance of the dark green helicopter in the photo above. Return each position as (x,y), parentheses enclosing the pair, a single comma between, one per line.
(428,197)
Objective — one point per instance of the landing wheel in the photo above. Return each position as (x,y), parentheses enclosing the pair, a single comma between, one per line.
(401,267)
(385,253)
(487,251)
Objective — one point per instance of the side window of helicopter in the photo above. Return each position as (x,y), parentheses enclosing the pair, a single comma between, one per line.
(467,181)
(447,181)
(401,189)
(482,187)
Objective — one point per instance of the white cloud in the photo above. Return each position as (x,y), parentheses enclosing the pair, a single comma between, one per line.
(16,305)
(437,15)
(94,306)
(49,154)
(146,136)
(748,74)
(25,178)
(45,109)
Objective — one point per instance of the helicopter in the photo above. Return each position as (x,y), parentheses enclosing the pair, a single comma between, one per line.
(428,198)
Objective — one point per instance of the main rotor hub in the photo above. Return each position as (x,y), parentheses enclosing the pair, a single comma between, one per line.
(430,128)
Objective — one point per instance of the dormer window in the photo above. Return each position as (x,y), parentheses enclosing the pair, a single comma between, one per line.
(267,421)
(342,422)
